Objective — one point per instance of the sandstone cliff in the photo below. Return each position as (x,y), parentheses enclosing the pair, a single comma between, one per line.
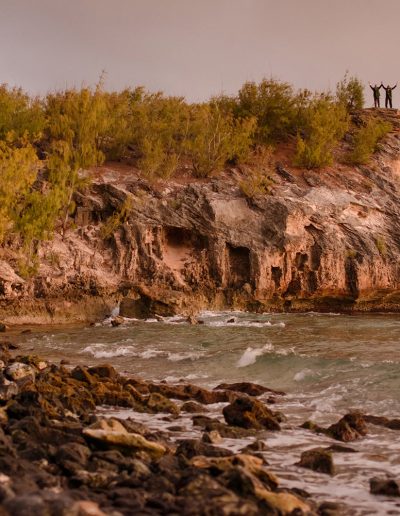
(322,240)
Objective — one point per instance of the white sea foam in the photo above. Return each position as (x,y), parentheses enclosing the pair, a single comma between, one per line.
(303,374)
(177,357)
(149,353)
(251,354)
(99,351)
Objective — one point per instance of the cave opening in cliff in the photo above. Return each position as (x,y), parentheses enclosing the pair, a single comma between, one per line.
(180,245)
(239,265)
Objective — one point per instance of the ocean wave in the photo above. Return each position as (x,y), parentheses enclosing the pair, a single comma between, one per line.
(303,374)
(99,351)
(178,357)
(251,354)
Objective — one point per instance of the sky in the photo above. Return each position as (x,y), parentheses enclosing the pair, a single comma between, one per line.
(197,48)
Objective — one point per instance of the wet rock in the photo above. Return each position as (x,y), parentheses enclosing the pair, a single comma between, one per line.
(351,427)
(393,424)
(230,432)
(117,321)
(193,447)
(159,403)
(113,434)
(250,413)
(256,446)
(193,407)
(331,509)
(252,389)
(82,375)
(3,327)
(232,320)
(212,437)
(340,449)
(72,456)
(189,392)
(8,390)
(317,459)
(18,371)
(384,486)
(104,371)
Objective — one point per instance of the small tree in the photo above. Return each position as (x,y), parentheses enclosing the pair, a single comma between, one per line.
(325,123)
(77,124)
(350,92)
(366,140)
(215,138)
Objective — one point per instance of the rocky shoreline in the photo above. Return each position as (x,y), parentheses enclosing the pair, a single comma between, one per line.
(62,454)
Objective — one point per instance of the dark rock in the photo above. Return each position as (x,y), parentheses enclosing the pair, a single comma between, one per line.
(193,407)
(252,389)
(330,509)
(189,392)
(3,327)
(212,437)
(255,446)
(159,403)
(250,413)
(340,449)
(351,427)
(226,431)
(192,447)
(384,486)
(117,321)
(317,459)
(82,375)
(104,371)
(27,505)
(393,424)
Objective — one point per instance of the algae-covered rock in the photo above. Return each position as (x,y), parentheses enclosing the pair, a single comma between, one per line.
(247,412)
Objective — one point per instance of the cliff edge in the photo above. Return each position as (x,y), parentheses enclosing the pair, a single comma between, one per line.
(326,240)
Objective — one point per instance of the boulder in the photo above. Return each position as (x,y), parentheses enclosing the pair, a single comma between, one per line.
(18,371)
(212,437)
(192,447)
(112,434)
(104,371)
(351,427)
(193,407)
(384,486)
(117,321)
(252,389)
(247,412)
(158,403)
(317,459)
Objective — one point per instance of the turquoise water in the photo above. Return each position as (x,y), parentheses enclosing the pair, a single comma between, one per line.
(328,364)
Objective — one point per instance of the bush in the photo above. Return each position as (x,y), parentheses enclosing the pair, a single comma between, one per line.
(325,123)
(215,138)
(273,104)
(256,184)
(19,114)
(350,92)
(366,139)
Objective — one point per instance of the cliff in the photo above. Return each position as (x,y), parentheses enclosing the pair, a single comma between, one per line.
(325,240)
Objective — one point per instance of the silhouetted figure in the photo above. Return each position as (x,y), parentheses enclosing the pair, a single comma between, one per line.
(377,94)
(388,97)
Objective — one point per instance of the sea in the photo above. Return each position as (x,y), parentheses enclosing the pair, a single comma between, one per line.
(327,364)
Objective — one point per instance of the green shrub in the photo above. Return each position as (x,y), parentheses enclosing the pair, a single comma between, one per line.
(350,92)
(20,115)
(256,184)
(325,123)
(273,104)
(366,139)
(215,138)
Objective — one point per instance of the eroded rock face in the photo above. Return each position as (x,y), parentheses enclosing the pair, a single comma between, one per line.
(323,240)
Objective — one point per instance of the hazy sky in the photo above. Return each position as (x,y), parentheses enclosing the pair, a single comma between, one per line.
(197,48)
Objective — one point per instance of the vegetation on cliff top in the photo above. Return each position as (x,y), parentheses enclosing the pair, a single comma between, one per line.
(46,143)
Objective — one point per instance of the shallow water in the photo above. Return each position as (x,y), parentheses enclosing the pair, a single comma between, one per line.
(328,364)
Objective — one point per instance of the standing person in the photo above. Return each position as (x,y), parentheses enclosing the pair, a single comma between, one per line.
(388,97)
(377,94)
